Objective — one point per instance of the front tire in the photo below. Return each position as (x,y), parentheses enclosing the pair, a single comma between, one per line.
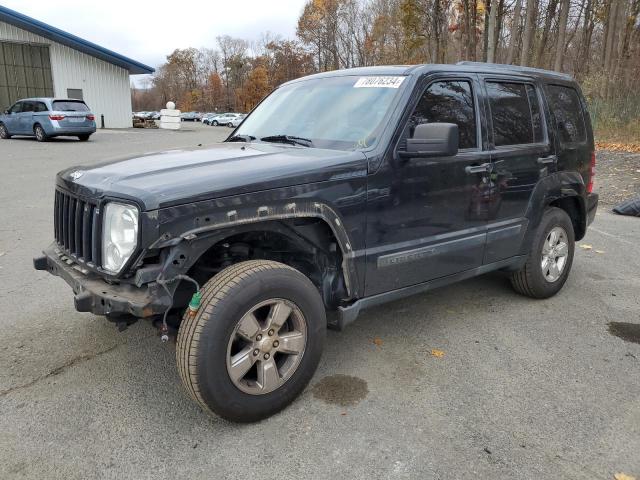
(41,135)
(4,133)
(550,258)
(214,123)
(255,341)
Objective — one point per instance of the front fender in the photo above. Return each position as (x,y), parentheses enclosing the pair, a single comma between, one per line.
(190,230)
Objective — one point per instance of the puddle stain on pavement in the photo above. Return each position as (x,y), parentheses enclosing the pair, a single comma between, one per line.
(342,390)
(629,332)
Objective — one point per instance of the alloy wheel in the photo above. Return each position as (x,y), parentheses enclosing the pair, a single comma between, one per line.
(555,251)
(266,346)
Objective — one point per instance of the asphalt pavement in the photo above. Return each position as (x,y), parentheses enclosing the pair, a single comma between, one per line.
(471,381)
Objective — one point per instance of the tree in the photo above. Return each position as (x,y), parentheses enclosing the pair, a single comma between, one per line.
(562,31)
(529,27)
(255,88)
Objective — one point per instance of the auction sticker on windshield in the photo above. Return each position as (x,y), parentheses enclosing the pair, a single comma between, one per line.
(378,82)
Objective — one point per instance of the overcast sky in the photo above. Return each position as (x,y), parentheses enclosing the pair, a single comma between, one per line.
(136,28)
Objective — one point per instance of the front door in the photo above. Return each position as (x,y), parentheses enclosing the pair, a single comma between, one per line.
(425,218)
(25,118)
(12,119)
(521,155)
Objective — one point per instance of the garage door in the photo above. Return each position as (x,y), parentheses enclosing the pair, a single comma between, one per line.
(25,71)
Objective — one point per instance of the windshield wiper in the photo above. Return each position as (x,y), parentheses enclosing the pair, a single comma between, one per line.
(290,139)
(241,138)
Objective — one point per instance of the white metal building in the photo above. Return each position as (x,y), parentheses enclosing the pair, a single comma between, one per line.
(38,60)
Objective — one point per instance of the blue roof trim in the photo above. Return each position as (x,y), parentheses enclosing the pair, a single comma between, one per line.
(52,33)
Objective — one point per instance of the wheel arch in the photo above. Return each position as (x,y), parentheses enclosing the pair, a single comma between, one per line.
(309,228)
(565,190)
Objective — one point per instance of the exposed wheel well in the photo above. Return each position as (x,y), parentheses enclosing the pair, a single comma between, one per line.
(576,213)
(306,244)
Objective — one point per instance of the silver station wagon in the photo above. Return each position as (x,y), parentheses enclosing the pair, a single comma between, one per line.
(44,118)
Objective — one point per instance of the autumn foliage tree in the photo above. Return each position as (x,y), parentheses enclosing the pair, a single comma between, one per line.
(255,88)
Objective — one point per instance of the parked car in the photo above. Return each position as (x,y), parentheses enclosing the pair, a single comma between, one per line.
(44,118)
(189,116)
(236,121)
(352,188)
(207,117)
(222,119)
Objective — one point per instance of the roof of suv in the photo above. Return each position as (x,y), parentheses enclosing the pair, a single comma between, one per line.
(50,99)
(467,67)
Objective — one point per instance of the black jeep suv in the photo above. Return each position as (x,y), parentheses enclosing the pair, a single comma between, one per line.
(339,192)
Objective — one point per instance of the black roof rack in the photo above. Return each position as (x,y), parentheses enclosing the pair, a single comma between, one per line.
(517,68)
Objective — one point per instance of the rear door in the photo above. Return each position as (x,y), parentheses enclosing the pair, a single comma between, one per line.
(574,144)
(521,154)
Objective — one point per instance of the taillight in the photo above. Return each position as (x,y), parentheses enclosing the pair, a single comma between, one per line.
(592,172)
(56,117)
(91,117)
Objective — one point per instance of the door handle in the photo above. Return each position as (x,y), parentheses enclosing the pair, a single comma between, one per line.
(471,169)
(549,159)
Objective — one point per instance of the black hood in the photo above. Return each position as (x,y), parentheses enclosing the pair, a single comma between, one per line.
(176,177)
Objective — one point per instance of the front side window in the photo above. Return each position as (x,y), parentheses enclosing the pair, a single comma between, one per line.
(17,108)
(27,106)
(566,108)
(449,101)
(515,113)
(339,113)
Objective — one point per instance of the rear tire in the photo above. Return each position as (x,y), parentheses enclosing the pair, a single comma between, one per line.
(263,315)
(83,138)
(550,258)
(230,125)
(4,133)
(41,135)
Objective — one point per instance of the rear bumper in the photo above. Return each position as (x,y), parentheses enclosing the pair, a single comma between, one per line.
(93,294)
(592,207)
(63,131)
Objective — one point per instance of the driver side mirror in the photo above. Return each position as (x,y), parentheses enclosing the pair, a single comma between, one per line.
(432,140)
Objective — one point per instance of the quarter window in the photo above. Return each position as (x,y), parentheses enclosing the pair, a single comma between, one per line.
(566,108)
(40,107)
(449,102)
(515,113)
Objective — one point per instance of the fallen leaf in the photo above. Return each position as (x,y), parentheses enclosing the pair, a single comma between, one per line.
(623,476)
(377,341)
(437,353)
(599,251)
(584,246)
(343,413)
(2,254)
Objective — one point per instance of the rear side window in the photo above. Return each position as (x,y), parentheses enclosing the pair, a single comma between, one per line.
(567,111)
(515,113)
(449,102)
(69,106)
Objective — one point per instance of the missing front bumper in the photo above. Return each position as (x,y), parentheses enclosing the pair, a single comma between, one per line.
(93,294)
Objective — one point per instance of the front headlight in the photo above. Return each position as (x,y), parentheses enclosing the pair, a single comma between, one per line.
(119,235)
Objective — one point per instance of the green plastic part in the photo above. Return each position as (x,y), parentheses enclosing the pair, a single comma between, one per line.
(194,304)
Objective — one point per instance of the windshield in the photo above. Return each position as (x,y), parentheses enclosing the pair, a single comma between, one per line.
(69,106)
(339,113)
